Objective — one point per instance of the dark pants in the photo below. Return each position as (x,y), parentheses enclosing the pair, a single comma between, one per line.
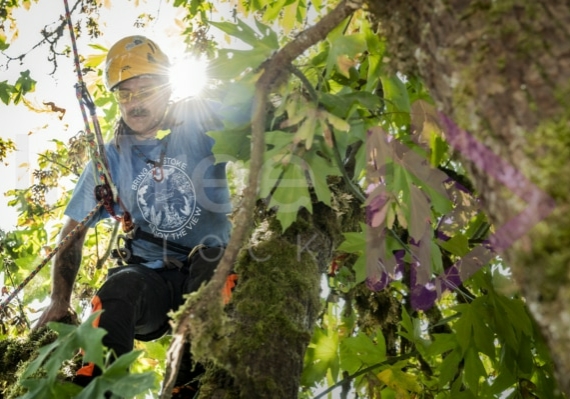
(136,299)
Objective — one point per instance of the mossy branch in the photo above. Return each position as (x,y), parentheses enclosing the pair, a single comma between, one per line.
(200,310)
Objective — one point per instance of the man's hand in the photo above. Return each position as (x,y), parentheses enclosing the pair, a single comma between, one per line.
(57,311)
(65,268)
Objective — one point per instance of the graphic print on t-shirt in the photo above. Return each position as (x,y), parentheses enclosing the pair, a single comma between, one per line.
(169,205)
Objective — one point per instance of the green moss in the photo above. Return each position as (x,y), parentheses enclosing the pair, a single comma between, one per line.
(549,150)
(276,301)
(15,355)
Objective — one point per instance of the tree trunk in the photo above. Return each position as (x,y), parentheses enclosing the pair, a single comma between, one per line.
(276,303)
(501,71)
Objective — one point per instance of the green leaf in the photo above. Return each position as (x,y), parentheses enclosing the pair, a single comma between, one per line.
(6,91)
(516,313)
(230,144)
(117,379)
(344,46)
(274,8)
(456,245)
(464,327)
(502,382)
(3,44)
(448,367)
(525,359)
(411,330)
(509,329)
(230,64)
(376,48)
(441,343)
(474,370)
(484,338)
(319,171)
(472,330)
(269,36)
(362,351)
(70,340)
(359,267)
(439,149)
(322,355)
(353,243)
(436,259)
(42,389)
(267,40)
(400,381)
(25,83)
(397,100)
(291,193)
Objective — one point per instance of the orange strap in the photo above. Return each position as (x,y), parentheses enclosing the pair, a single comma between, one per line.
(89,368)
(228,288)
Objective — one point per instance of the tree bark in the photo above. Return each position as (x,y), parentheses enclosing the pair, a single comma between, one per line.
(276,302)
(501,71)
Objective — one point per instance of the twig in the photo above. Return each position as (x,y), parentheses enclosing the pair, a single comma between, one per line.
(356,191)
(390,361)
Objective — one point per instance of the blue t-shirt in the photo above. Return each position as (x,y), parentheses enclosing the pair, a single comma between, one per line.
(184,201)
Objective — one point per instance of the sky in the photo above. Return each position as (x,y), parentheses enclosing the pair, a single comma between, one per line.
(32,132)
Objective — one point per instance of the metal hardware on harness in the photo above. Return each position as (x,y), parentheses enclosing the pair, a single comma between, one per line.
(124,252)
(194,250)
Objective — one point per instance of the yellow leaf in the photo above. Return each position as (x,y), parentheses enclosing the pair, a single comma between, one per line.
(401,382)
(402,220)
(94,60)
(181,24)
(148,362)
(162,134)
(293,120)
(344,64)
(338,123)
(286,159)
(327,134)
(390,218)
(306,133)
(289,16)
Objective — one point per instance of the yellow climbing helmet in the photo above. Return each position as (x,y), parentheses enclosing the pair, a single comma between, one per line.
(134,56)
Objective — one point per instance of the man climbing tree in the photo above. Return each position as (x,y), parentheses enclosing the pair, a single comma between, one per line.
(399,318)
(172,199)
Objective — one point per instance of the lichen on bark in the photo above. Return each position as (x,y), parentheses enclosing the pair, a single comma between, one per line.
(501,71)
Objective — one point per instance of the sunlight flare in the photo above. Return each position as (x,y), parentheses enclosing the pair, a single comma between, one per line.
(188,77)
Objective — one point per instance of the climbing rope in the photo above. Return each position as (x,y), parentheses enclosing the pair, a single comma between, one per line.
(105,192)
(44,262)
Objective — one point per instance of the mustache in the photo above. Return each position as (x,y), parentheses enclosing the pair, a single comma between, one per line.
(139,111)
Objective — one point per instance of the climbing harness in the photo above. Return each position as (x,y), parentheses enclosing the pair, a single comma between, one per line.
(105,192)
(124,252)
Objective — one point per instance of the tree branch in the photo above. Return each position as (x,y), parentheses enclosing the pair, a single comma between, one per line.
(50,37)
(198,311)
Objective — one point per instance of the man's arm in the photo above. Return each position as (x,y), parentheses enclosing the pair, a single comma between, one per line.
(65,267)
